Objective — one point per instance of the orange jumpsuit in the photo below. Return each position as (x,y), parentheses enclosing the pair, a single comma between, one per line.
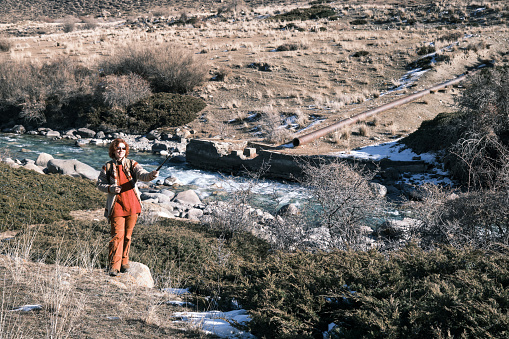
(123,218)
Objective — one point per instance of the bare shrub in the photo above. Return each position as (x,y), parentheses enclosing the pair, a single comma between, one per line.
(481,155)
(38,90)
(234,214)
(69,24)
(344,200)
(121,91)
(272,125)
(364,130)
(475,219)
(168,68)
(89,23)
(5,45)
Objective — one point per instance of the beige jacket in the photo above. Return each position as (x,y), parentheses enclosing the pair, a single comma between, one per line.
(108,177)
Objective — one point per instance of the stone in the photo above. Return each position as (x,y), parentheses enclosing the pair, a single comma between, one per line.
(168,193)
(249,152)
(178,159)
(70,132)
(188,197)
(72,168)
(288,209)
(378,189)
(82,142)
(161,198)
(158,147)
(194,214)
(153,135)
(391,173)
(18,129)
(86,132)
(34,167)
(100,135)
(53,134)
(141,274)
(170,181)
(166,136)
(396,229)
(155,210)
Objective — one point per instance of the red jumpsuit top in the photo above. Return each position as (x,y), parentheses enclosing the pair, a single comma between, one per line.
(126,203)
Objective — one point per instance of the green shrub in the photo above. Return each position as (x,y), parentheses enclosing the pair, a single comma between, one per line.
(161,110)
(359,54)
(423,50)
(167,68)
(290,47)
(407,294)
(358,22)
(311,13)
(28,197)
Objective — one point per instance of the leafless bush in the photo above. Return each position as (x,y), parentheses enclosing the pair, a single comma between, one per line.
(483,160)
(272,125)
(89,23)
(34,88)
(121,91)
(474,219)
(287,232)
(234,214)
(5,45)
(69,24)
(481,155)
(168,68)
(344,200)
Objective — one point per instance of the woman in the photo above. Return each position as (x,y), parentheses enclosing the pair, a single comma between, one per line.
(118,178)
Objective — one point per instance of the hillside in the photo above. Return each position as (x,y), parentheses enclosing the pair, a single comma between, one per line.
(267,68)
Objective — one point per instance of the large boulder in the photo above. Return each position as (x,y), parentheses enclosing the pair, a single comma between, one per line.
(160,197)
(288,209)
(86,132)
(194,214)
(188,197)
(141,274)
(43,159)
(34,167)
(153,210)
(19,129)
(73,168)
(53,134)
(379,189)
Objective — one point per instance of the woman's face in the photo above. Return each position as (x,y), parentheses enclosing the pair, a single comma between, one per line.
(120,151)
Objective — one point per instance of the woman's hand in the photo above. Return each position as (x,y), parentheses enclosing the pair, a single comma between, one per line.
(154,174)
(115,189)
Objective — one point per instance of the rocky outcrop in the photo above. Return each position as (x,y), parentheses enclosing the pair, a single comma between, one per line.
(73,168)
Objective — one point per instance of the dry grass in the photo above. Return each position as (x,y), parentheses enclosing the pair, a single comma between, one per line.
(76,301)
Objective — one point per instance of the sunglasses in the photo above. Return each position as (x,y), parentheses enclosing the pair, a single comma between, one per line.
(120,148)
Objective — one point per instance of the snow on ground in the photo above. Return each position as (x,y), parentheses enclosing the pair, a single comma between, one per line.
(396,151)
(218,323)
(212,322)
(393,150)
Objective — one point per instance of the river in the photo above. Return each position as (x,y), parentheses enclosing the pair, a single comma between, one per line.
(206,184)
